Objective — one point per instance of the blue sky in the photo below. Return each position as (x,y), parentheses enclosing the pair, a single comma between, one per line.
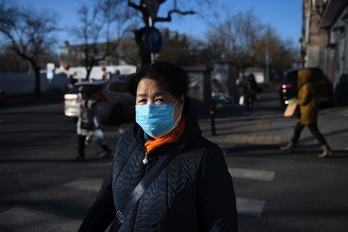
(285,16)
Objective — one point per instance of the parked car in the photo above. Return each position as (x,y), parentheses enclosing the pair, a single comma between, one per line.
(71,101)
(288,88)
(221,100)
(116,104)
(120,104)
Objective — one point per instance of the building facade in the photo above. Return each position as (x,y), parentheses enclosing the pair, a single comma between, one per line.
(325,42)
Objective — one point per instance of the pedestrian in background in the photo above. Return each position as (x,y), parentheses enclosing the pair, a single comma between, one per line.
(194,192)
(88,122)
(71,82)
(250,91)
(307,100)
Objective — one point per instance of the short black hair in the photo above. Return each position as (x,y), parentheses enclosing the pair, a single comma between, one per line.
(174,78)
(251,77)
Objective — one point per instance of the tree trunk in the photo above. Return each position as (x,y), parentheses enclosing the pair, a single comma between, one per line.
(144,53)
(89,70)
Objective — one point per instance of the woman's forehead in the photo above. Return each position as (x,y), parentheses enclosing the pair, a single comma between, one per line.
(150,85)
(148,88)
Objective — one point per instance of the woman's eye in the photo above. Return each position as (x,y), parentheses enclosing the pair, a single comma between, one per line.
(143,101)
(159,100)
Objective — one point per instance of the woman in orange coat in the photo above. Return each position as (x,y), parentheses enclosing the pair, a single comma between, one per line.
(307,99)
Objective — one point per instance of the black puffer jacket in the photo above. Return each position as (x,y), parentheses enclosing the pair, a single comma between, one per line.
(194,193)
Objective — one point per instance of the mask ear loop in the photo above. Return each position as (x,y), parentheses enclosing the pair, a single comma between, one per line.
(179,118)
(178,100)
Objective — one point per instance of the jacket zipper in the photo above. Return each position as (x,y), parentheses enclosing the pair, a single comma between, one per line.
(145,160)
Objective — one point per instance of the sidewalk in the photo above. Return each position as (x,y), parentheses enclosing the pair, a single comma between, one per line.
(267,127)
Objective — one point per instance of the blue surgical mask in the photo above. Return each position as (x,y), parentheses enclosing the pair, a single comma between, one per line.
(156,119)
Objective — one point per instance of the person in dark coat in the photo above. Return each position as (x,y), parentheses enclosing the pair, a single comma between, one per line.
(307,99)
(193,193)
(250,90)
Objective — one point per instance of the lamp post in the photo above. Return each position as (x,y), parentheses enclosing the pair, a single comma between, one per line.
(267,55)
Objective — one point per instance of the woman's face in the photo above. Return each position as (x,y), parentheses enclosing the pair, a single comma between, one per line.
(151,92)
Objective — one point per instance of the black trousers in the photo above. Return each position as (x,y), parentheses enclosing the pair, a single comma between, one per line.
(249,99)
(313,128)
(82,145)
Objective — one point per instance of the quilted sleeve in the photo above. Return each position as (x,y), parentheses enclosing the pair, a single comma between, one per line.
(102,212)
(217,201)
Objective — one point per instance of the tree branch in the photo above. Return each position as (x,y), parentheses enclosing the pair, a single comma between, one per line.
(169,16)
(131,4)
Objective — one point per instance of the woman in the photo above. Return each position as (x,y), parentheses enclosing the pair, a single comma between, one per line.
(307,100)
(193,193)
(87,122)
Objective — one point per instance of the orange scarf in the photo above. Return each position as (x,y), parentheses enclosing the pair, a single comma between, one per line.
(171,137)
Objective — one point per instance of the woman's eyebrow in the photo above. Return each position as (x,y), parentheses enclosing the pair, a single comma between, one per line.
(141,95)
(159,93)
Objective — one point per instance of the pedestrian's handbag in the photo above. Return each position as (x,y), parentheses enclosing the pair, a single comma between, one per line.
(142,186)
(95,136)
(292,111)
(241,99)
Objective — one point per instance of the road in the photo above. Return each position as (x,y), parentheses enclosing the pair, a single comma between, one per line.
(42,189)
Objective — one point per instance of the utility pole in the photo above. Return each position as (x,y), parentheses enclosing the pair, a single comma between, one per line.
(267,55)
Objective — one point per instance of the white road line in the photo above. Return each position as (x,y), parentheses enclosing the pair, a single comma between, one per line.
(251,174)
(93,184)
(83,183)
(245,206)
(20,219)
(345,113)
(250,207)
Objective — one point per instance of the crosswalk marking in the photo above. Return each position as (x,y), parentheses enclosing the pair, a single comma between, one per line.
(20,219)
(249,207)
(245,206)
(251,174)
(83,183)
(93,184)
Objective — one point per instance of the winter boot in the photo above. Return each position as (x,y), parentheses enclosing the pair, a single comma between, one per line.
(288,148)
(327,152)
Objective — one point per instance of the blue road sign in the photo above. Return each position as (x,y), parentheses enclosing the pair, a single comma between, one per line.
(153,39)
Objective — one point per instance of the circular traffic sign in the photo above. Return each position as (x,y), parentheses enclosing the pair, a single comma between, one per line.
(153,39)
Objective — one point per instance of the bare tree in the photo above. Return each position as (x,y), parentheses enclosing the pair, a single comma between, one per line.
(101,27)
(10,62)
(149,20)
(29,32)
(126,50)
(237,37)
(246,41)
